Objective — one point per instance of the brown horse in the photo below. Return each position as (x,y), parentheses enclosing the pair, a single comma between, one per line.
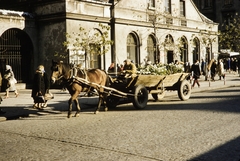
(77,80)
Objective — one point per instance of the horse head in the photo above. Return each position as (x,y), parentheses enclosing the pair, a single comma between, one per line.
(59,71)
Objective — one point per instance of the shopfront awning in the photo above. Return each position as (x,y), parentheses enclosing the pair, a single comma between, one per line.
(228,53)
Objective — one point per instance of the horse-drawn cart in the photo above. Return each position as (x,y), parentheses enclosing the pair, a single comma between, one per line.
(121,90)
(136,90)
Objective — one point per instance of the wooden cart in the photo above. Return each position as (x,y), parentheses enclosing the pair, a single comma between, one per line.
(136,90)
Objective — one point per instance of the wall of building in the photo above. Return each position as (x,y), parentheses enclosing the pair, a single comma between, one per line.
(57,17)
(11,19)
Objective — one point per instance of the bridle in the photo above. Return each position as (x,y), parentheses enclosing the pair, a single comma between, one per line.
(56,69)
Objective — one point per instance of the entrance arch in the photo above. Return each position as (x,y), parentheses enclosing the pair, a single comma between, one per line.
(16,49)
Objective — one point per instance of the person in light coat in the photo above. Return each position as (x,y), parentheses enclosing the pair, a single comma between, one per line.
(220,69)
(9,82)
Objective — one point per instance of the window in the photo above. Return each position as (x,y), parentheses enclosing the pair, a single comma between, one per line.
(152,3)
(182,8)
(151,49)
(94,56)
(227,2)
(183,49)
(183,23)
(132,47)
(207,3)
(168,6)
(228,18)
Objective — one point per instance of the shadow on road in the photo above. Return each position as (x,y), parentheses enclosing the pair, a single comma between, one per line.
(230,150)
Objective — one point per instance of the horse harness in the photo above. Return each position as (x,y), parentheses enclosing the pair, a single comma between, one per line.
(74,78)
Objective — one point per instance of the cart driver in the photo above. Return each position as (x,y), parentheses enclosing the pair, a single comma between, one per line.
(129,68)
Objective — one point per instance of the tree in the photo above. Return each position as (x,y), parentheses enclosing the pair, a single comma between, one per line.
(91,41)
(230,34)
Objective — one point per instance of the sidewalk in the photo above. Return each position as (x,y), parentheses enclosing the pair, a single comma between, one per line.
(22,105)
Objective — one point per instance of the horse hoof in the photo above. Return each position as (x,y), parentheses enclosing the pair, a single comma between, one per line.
(69,116)
(96,112)
(77,115)
(106,109)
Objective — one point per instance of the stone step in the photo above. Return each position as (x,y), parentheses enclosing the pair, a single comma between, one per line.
(21,85)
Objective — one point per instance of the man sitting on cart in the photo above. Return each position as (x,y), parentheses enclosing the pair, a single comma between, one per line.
(129,69)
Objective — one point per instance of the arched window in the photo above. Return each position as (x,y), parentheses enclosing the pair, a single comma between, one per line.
(93,57)
(183,49)
(196,49)
(151,49)
(169,47)
(132,48)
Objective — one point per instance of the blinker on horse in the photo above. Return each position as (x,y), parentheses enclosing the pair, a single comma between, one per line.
(73,80)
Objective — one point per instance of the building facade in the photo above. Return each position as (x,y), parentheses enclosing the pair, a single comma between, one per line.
(223,12)
(161,31)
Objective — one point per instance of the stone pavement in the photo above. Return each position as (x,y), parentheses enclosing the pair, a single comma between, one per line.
(22,105)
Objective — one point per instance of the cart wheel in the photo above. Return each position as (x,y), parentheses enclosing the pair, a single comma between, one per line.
(140,97)
(112,102)
(158,96)
(184,90)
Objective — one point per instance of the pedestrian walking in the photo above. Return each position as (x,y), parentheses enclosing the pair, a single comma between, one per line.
(196,73)
(213,70)
(228,65)
(41,85)
(203,67)
(9,82)
(220,69)
(234,65)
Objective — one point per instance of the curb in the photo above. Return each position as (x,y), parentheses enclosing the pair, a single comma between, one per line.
(2,118)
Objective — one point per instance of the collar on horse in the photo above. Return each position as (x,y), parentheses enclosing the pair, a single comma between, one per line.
(74,72)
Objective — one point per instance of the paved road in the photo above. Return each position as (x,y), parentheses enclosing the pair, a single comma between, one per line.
(206,128)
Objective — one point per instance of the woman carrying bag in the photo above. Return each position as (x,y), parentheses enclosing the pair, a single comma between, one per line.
(41,85)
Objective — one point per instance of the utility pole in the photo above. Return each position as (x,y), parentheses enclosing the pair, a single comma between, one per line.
(112,24)
(113,38)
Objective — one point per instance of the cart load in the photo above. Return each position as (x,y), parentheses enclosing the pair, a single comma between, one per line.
(137,88)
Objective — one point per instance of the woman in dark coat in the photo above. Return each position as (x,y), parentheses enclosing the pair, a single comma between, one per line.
(213,70)
(41,85)
(196,72)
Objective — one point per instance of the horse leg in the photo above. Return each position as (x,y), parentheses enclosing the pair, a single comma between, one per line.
(101,100)
(98,106)
(78,108)
(70,107)
(75,99)
(104,102)
(99,103)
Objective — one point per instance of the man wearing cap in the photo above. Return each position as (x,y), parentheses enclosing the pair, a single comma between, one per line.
(129,67)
